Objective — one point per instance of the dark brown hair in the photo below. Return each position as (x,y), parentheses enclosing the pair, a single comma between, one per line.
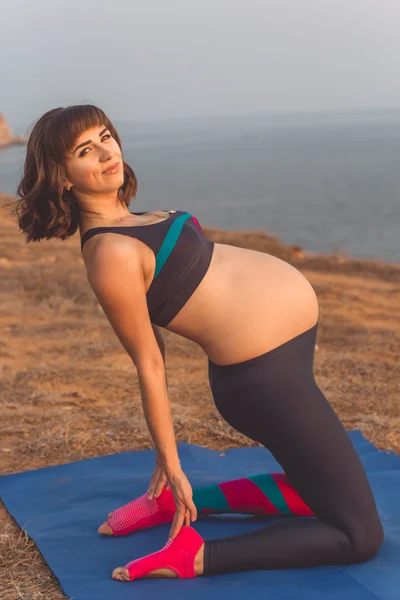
(45,208)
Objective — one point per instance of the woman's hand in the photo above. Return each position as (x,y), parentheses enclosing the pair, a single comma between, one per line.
(185,507)
(157,480)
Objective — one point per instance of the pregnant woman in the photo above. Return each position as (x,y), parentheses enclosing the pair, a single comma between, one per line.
(256,318)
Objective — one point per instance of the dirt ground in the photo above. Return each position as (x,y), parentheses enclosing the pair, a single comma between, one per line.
(69,391)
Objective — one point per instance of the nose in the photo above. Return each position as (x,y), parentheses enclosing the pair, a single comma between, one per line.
(106,155)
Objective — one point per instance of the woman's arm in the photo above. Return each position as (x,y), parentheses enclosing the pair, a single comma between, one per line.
(116,277)
(158,417)
(161,344)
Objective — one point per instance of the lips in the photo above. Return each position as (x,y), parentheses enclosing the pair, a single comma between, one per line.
(112,168)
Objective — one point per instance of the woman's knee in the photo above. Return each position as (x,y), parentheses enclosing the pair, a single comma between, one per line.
(367,540)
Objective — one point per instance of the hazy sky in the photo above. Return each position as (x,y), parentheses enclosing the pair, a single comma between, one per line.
(156,59)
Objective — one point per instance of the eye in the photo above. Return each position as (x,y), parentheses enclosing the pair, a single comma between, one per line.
(87,148)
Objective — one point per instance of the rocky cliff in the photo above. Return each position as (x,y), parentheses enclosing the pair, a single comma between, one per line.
(7,138)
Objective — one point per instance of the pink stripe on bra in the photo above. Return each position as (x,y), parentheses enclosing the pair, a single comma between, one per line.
(197,224)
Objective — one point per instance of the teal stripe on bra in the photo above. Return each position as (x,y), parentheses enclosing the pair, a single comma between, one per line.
(170,241)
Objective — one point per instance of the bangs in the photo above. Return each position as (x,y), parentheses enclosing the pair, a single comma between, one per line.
(68,124)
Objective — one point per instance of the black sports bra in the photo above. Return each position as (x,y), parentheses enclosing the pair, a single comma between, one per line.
(183,255)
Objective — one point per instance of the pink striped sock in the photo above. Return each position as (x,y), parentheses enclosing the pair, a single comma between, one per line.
(177,554)
(142,513)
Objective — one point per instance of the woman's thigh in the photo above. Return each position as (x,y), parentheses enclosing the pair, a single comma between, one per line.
(275,400)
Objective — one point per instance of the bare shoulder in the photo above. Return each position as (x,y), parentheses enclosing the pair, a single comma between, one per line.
(115,273)
(110,248)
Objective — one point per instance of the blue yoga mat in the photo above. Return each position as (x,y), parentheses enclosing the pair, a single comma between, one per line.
(61,508)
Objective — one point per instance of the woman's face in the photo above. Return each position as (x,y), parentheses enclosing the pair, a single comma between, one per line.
(93,152)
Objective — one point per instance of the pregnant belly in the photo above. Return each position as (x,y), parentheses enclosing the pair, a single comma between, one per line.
(251,302)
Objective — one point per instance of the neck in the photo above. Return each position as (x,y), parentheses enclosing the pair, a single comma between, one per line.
(102,212)
(107,204)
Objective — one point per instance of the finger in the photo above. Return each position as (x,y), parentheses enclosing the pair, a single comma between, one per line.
(153,485)
(172,534)
(152,488)
(176,524)
(193,511)
(160,486)
(187,517)
(150,491)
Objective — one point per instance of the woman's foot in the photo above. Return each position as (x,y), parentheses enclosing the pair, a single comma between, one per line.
(141,513)
(182,557)
(122,574)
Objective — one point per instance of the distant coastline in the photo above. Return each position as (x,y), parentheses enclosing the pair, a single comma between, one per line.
(257,239)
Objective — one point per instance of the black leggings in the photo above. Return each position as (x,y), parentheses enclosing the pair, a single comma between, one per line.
(275,400)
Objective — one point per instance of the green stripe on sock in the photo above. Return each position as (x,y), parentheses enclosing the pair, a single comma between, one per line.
(210,496)
(268,486)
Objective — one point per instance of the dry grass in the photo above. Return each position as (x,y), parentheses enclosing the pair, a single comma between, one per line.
(68,391)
